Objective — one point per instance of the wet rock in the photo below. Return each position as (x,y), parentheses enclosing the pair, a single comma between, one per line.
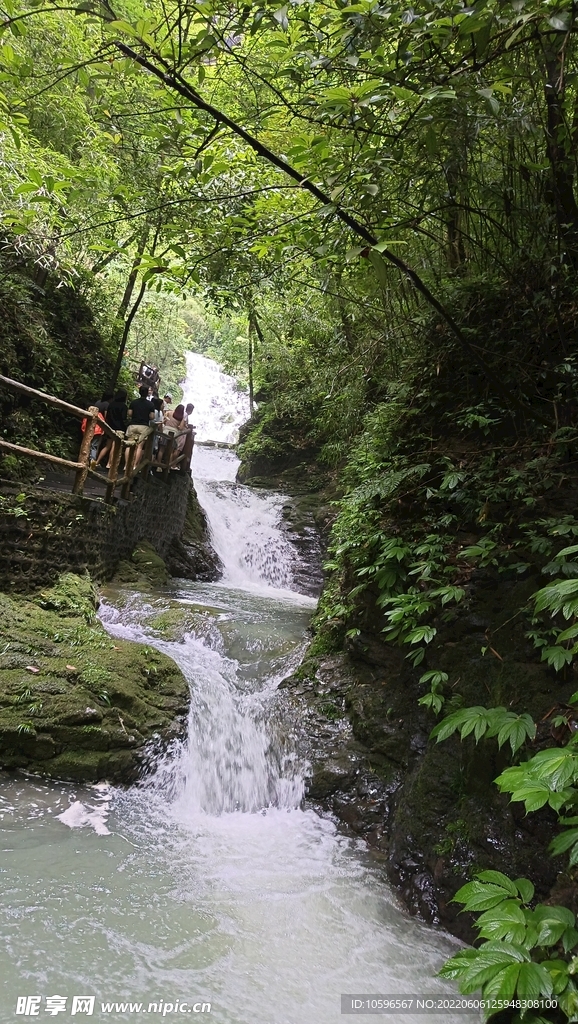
(144,567)
(95,703)
(191,556)
(329,777)
(192,561)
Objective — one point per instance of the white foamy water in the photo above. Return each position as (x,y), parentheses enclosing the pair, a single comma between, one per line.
(209,881)
(220,406)
(244,523)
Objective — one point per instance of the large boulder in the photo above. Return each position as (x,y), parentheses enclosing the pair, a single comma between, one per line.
(74,702)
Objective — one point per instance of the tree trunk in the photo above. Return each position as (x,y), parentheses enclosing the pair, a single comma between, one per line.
(559,147)
(250,333)
(123,323)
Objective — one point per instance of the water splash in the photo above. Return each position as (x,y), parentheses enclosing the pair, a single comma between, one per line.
(220,406)
(244,523)
(245,529)
(234,759)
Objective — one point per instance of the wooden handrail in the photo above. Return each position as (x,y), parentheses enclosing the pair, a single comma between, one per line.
(39,455)
(82,466)
(49,399)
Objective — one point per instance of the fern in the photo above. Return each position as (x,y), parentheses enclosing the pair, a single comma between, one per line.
(490,722)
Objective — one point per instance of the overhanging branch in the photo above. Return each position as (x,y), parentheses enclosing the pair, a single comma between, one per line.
(176,82)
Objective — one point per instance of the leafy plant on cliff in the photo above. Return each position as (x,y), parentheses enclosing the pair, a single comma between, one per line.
(504,725)
(524,958)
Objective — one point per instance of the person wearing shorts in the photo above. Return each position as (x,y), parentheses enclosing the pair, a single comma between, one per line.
(140,415)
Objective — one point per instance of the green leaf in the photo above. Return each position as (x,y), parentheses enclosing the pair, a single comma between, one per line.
(478,895)
(525,888)
(567,634)
(498,879)
(506,921)
(534,981)
(434,676)
(553,597)
(568,1002)
(124,27)
(572,550)
(557,657)
(561,21)
(503,985)
(551,922)
(457,965)
(563,842)
(379,266)
(558,971)
(425,633)
(516,729)
(492,958)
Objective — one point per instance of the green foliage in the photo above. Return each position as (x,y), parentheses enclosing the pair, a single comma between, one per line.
(560,599)
(71,595)
(548,777)
(13,506)
(526,953)
(49,339)
(433,699)
(506,726)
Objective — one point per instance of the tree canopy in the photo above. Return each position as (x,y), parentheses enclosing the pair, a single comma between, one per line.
(376,155)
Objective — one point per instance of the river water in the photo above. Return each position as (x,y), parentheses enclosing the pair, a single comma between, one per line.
(208,883)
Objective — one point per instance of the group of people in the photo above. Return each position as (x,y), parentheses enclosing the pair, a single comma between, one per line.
(137,420)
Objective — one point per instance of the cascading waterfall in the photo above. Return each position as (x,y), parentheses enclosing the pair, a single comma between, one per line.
(243,524)
(232,760)
(220,406)
(207,881)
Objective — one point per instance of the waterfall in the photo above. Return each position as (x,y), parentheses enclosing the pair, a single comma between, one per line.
(244,523)
(234,759)
(207,881)
(220,405)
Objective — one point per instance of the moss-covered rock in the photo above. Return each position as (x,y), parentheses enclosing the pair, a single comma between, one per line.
(71,595)
(175,622)
(74,703)
(145,567)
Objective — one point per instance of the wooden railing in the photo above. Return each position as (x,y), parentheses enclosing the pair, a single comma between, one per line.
(120,446)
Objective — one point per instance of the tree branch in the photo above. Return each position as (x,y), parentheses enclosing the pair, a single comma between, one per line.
(178,84)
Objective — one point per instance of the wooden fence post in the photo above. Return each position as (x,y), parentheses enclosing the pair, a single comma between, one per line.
(168,456)
(185,465)
(84,452)
(113,471)
(147,455)
(128,471)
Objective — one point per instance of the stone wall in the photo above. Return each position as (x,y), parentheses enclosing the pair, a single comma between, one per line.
(45,533)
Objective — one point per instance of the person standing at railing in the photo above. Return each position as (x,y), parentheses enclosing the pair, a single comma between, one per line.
(97,436)
(116,417)
(105,401)
(102,406)
(140,415)
(188,413)
(177,421)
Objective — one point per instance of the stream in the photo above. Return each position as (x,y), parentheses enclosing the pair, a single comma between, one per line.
(210,882)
